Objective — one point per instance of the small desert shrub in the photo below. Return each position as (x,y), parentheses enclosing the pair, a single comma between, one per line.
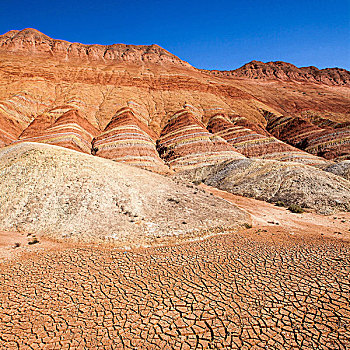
(33,241)
(280,204)
(295,208)
(173,200)
(197,182)
(247,226)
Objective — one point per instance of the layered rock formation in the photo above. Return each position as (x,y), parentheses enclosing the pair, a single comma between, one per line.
(94,199)
(127,139)
(242,121)
(36,43)
(252,144)
(9,131)
(33,63)
(186,143)
(16,112)
(330,143)
(39,73)
(61,126)
(273,181)
(288,72)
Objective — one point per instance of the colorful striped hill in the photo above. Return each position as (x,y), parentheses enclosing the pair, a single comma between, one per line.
(62,126)
(328,142)
(255,145)
(185,143)
(16,113)
(127,139)
(9,130)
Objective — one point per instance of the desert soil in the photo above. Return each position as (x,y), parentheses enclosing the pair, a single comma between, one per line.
(267,215)
(268,287)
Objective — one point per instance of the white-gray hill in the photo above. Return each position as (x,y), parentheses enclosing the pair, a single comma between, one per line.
(274,181)
(341,169)
(62,193)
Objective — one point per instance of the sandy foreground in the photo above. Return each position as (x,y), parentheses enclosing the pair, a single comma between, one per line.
(282,284)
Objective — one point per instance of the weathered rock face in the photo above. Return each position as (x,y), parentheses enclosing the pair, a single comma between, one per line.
(9,131)
(94,199)
(252,144)
(127,139)
(329,143)
(15,113)
(36,43)
(63,127)
(287,72)
(287,182)
(342,169)
(327,123)
(244,122)
(186,143)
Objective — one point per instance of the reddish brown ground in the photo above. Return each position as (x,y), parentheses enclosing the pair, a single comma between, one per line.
(269,216)
(268,287)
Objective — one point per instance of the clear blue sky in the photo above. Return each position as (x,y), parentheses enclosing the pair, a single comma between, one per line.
(220,34)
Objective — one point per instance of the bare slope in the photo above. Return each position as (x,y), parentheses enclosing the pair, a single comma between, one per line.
(341,169)
(269,180)
(59,192)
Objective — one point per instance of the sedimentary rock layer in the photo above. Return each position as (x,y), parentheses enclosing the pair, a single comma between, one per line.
(38,73)
(127,139)
(36,43)
(62,126)
(252,144)
(93,199)
(9,131)
(185,143)
(274,181)
(330,143)
(288,72)
(16,112)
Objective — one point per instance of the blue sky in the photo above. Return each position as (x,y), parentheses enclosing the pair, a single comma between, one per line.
(219,34)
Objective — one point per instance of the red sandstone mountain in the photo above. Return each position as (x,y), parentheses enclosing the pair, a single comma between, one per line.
(36,43)
(44,78)
(288,72)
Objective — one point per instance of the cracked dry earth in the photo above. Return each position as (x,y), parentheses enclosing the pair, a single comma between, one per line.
(247,290)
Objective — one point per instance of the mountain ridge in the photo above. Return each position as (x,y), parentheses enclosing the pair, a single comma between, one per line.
(42,79)
(39,44)
(279,70)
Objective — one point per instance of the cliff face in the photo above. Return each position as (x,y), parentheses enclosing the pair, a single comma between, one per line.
(70,94)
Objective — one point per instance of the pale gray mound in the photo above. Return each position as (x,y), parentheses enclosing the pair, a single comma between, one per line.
(341,169)
(274,181)
(62,193)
